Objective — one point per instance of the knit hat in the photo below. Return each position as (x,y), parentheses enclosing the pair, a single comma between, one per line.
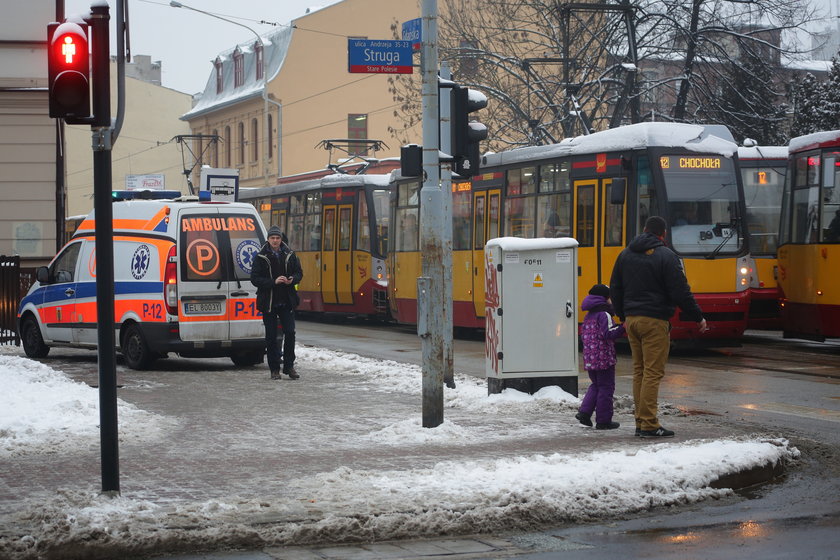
(600,290)
(274,230)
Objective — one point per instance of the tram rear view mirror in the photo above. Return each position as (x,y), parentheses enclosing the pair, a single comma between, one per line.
(617,190)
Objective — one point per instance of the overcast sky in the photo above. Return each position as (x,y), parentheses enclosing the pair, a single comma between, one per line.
(186,41)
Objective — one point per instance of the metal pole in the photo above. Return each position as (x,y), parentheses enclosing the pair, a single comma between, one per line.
(104,246)
(431,225)
(446,191)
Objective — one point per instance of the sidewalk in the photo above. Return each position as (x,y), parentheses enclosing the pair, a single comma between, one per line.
(234,460)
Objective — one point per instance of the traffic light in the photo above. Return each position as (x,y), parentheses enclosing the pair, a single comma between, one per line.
(68,70)
(466,135)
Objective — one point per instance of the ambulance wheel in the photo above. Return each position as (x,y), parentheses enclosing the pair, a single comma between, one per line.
(33,342)
(135,350)
(253,358)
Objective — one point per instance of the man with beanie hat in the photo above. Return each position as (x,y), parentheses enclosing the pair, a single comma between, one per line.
(276,273)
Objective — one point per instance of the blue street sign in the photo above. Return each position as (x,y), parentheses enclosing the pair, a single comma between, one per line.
(379,56)
(412,32)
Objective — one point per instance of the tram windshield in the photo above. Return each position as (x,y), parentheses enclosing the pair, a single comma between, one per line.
(703,204)
(763,196)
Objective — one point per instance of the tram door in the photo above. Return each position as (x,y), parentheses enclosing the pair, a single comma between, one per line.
(486,225)
(585,223)
(328,255)
(344,255)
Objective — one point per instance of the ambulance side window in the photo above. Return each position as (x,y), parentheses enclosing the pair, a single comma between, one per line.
(63,269)
(200,258)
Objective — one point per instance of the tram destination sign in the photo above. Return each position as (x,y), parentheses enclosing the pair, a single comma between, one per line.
(379,56)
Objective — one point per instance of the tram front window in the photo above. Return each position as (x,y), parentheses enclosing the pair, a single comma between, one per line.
(703,205)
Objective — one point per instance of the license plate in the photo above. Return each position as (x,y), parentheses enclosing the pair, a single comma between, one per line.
(203,307)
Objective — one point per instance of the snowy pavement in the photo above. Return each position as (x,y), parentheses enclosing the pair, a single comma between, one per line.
(215,456)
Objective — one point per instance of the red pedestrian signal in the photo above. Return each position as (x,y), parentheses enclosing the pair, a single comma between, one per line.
(68,70)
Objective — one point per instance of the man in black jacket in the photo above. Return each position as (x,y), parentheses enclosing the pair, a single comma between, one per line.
(647,284)
(275,273)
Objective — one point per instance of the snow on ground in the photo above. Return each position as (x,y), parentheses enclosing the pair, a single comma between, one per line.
(41,409)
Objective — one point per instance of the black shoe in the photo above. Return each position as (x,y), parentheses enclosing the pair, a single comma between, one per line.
(658,432)
(607,426)
(638,432)
(275,374)
(291,373)
(585,419)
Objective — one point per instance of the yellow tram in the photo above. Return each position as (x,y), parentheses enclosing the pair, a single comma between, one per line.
(809,238)
(599,189)
(763,170)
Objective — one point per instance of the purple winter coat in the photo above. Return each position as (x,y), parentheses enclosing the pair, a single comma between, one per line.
(598,333)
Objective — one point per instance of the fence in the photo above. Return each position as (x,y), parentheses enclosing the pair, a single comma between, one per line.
(14,283)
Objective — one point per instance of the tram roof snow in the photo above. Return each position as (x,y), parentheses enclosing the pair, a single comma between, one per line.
(520,244)
(692,137)
(762,152)
(815,140)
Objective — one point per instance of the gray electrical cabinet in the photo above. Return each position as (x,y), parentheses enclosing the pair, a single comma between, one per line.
(531,313)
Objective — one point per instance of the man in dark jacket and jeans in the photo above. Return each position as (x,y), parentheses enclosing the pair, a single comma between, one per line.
(647,284)
(275,272)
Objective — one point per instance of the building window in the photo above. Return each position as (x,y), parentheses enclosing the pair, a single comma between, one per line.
(255,132)
(357,130)
(258,53)
(241,154)
(270,137)
(228,144)
(238,68)
(217,64)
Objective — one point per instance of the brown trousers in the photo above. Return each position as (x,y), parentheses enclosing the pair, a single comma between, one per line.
(650,344)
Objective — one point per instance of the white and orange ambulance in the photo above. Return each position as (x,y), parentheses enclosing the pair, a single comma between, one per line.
(181,284)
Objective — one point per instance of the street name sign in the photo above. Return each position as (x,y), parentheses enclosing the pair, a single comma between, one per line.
(379,56)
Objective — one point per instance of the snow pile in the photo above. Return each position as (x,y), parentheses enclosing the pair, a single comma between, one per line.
(353,505)
(42,411)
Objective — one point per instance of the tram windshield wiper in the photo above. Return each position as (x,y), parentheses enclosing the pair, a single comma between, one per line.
(733,229)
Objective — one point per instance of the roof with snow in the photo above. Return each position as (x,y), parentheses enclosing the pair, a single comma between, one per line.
(275,46)
(693,137)
(814,140)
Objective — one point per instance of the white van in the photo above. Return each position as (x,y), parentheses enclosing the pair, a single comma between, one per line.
(181,284)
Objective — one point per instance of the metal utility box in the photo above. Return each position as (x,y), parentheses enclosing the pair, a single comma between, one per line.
(531,313)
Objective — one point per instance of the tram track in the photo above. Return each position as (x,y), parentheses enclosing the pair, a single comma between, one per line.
(759,354)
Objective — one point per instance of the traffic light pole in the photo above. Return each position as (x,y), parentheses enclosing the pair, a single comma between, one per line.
(430,324)
(104,247)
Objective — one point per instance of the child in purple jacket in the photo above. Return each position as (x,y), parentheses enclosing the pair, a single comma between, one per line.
(598,333)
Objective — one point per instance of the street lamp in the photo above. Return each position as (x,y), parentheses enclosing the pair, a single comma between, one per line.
(266,132)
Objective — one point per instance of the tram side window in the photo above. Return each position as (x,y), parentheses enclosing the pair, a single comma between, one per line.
(585,227)
(522,181)
(806,200)
(312,224)
(295,230)
(831,198)
(363,225)
(614,224)
(380,209)
(646,204)
(553,215)
(480,209)
(461,214)
(408,214)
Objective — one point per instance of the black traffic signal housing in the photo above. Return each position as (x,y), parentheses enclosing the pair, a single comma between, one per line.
(411,160)
(466,135)
(68,64)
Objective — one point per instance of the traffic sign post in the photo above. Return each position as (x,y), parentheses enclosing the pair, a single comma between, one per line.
(379,56)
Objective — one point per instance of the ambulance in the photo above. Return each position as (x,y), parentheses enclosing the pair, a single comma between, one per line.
(181,284)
